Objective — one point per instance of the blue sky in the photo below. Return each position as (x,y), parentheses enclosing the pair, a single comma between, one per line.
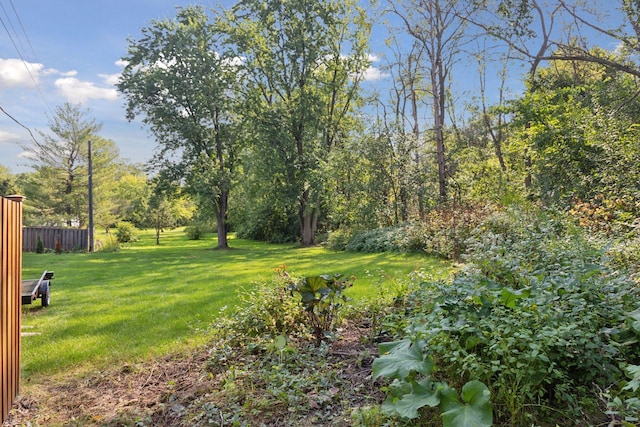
(71,48)
(56,51)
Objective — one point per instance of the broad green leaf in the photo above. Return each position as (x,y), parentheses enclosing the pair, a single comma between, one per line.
(475,393)
(401,359)
(509,296)
(422,394)
(475,412)
(634,320)
(315,283)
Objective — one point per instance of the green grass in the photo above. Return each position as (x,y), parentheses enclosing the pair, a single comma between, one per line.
(147,300)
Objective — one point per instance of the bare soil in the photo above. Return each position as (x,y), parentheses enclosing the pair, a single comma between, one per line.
(160,392)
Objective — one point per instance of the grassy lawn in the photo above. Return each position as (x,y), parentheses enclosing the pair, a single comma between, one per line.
(148,300)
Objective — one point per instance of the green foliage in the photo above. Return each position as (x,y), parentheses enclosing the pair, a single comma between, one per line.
(309,89)
(575,145)
(39,246)
(197,231)
(267,220)
(182,65)
(126,232)
(410,366)
(442,233)
(321,297)
(534,314)
(107,243)
(266,311)
(339,239)
(8,184)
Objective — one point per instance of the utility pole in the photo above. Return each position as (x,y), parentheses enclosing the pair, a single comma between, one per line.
(90,200)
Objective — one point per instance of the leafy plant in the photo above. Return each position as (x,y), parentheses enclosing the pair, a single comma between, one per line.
(125,232)
(413,388)
(534,314)
(197,231)
(39,246)
(321,297)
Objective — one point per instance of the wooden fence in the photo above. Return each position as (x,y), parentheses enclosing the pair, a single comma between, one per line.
(10,297)
(71,239)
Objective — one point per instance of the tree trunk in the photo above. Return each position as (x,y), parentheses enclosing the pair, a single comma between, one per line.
(221,219)
(437,86)
(306,216)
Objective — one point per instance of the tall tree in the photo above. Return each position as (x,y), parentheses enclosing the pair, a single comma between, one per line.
(107,169)
(436,26)
(303,60)
(180,80)
(59,160)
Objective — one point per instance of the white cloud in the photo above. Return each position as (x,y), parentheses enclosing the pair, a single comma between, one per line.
(79,91)
(15,72)
(8,137)
(50,71)
(373,74)
(110,79)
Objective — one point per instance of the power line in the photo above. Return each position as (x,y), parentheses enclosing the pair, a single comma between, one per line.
(15,12)
(19,123)
(15,45)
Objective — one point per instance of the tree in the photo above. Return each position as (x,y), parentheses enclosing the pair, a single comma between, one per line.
(131,197)
(401,128)
(181,80)
(167,208)
(580,130)
(8,183)
(436,26)
(303,60)
(108,170)
(563,31)
(59,161)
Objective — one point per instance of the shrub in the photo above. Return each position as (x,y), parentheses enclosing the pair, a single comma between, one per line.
(339,239)
(126,232)
(266,311)
(108,243)
(197,231)
(443,233)
(321,299)
(534,314)
(39,246)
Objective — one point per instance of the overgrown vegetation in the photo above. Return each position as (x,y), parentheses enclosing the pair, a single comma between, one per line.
(540,326)
(537,315)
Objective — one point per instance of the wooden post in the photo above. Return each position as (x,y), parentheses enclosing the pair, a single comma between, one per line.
(10,299)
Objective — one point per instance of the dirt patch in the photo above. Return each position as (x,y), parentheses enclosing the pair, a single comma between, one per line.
(160,393)
(131,392)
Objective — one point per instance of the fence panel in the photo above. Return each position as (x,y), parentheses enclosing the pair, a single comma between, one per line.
(71,239)
(10,299)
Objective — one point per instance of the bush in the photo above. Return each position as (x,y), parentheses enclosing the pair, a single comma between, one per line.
(107,243)
(442,233)
(265,312)
(197,231)
(338,239)
(126,232)
(39,246)
(535,315)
